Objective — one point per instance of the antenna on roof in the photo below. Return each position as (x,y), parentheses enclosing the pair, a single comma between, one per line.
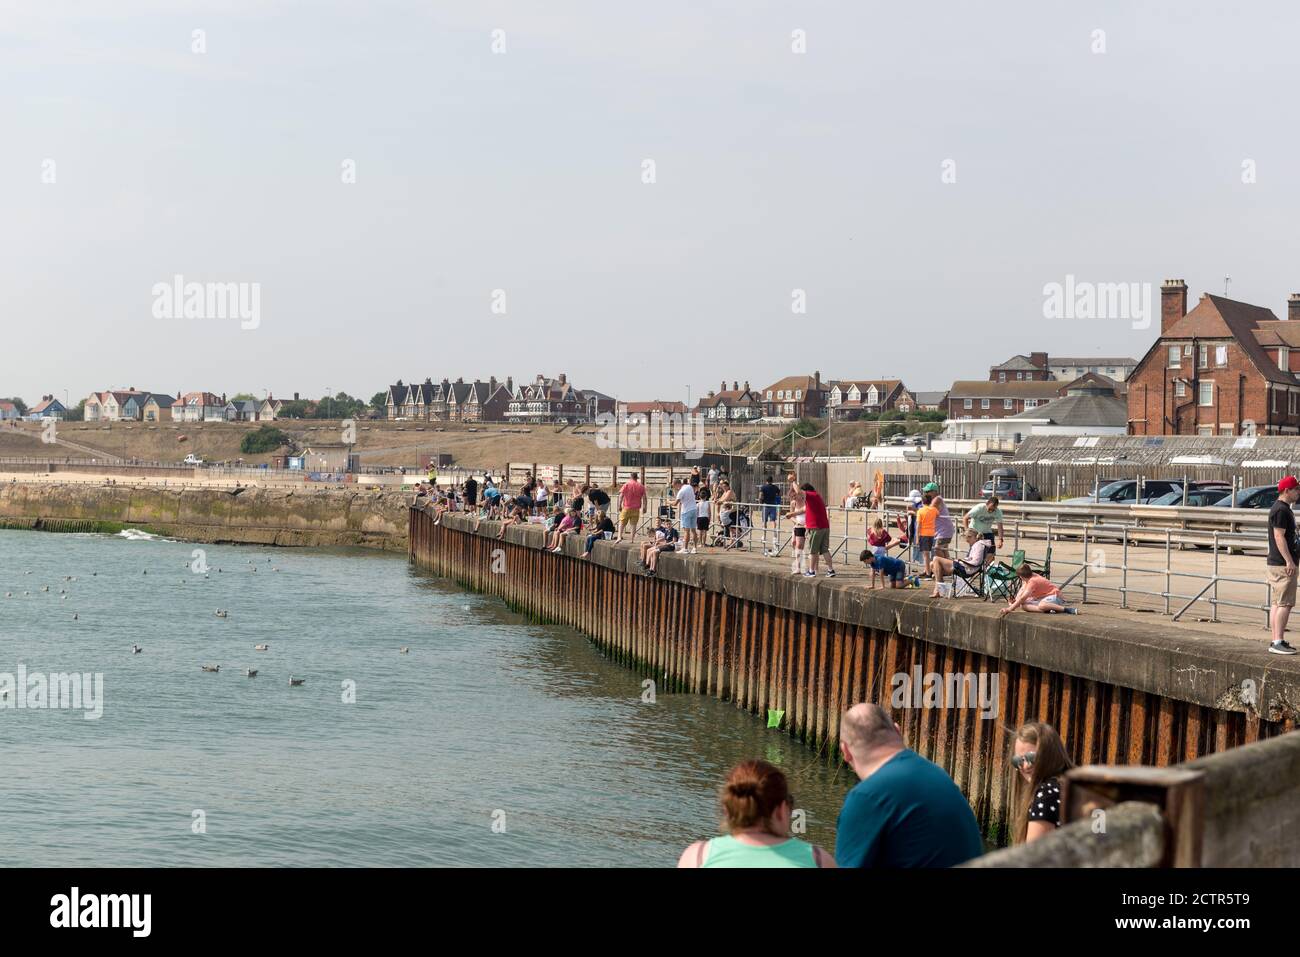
(1226,281)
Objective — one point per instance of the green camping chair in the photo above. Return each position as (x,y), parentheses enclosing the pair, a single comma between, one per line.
(1002,580)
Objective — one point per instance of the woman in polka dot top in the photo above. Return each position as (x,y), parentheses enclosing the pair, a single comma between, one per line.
(1039,759)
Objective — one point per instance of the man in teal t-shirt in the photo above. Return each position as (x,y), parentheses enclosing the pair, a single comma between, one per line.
(904,811)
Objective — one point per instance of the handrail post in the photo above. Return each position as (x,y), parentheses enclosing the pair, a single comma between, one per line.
(1123,593)
(1168,570)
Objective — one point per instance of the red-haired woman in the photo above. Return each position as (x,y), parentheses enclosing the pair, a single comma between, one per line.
(1039,758)
(756,807)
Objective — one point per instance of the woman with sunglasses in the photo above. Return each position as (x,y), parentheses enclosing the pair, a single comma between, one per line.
(1039,758)
(756,807)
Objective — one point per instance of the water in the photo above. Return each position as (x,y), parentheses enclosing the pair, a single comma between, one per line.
(489,719)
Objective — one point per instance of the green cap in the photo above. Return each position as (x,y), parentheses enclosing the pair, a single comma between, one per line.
(930,487)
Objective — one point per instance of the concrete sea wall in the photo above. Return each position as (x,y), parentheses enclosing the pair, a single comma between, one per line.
(327,516)
(742,629)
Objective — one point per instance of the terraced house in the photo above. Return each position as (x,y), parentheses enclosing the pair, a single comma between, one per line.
(115,405)
(1224,368)
(556,400)
(447,401)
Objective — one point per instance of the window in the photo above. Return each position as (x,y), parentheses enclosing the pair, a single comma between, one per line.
(984,403)
(769,395)
(1110,372)
(1007,404)
(1180,388)
(1204,355)
(1225,430)
(1173,357)
(1205,430)
(1220,355)
(1284,358)
(966,404)
(1031,403)
(1207,395)
(1290,402)
(1273,392)
(798,393)
(1002,377)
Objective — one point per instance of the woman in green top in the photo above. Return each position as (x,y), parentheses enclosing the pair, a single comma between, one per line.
(756,804)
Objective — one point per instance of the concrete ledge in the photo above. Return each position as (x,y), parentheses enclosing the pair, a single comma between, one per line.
(1141,654)
(1134,837)
(1250,805)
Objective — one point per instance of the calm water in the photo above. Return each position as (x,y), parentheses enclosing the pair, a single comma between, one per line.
(487,718)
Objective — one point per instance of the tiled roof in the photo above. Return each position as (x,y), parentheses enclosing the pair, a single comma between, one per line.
(1090,361)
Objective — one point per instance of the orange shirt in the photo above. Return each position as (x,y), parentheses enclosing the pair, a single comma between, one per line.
(926,517)
(1038,588)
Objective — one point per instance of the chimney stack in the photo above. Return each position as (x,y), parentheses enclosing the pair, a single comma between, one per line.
(1173,303)
(723,387)
(817,381)
(564,378)
(295,396)
(1293,306)
(734,385)
(1038,360)
(746,385)
(510,384)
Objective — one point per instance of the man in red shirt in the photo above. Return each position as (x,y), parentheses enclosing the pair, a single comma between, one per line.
(632,497)
(818,524)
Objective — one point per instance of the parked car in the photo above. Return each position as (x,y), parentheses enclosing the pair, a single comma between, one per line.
(1125,491)
(1257,496)
(1007,485)
(193,459)
(1198,497)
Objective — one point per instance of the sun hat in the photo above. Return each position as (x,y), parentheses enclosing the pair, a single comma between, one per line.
(914,496)
(930,487)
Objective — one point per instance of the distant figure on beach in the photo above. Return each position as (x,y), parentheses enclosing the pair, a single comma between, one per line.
(757,807)
(904,811)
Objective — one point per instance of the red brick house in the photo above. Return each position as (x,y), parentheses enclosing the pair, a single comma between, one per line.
(854,398)
(796,397)
(1224,368)
(975,399)
(1030,368)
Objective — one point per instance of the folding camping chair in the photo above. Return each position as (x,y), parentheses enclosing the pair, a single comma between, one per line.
(1002,579)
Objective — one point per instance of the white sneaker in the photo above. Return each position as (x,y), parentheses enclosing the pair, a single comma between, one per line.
(694,550)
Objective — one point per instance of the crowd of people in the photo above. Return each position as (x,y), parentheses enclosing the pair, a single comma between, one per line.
(702,511)
(903,812)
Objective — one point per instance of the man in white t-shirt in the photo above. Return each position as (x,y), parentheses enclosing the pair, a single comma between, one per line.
(687,514)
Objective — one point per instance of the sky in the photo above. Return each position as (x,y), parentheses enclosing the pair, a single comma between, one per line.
(650,198)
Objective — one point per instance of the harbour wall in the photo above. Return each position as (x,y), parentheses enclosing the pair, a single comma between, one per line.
(264,516)
(743,630)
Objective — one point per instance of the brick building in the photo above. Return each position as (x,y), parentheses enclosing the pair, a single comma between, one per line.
(975,399)
(1030,368)
(1224,368)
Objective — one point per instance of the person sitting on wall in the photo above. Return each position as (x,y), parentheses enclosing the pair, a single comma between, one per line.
(570,523)
(667,544)
(520,508)
(657,538)
(604,530)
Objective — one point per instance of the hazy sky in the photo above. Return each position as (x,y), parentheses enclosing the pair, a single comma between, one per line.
(522,171)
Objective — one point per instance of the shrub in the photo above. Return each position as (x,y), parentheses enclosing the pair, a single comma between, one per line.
(266,439)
